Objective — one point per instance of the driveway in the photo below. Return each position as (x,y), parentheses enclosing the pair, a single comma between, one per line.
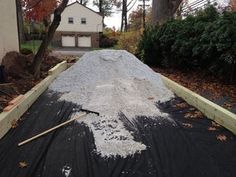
(143,130)
(71,51)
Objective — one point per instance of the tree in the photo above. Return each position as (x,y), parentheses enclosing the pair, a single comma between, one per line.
(124,22)
(106,7)
(232,5)
(126,7)
(39,10)
(135,19)
(162,10)
(48,37)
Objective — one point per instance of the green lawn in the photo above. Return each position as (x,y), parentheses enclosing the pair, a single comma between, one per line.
(33,45)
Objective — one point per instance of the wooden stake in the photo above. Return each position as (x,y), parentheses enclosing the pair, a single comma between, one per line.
(50,130)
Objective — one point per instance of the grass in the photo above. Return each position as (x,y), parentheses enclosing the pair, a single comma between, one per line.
(33,45)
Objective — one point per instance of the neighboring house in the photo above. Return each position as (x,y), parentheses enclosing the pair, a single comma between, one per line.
(79,27)
(9,40)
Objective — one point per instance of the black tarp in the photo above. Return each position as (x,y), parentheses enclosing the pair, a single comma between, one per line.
(172,151)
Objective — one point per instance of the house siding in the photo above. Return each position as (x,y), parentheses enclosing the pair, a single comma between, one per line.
(9,40)
(92,27)
(58,36)
(77,11)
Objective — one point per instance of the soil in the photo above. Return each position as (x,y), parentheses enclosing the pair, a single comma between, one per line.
(19,79)
(204,84)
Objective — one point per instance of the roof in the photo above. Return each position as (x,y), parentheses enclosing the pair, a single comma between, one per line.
(76,2)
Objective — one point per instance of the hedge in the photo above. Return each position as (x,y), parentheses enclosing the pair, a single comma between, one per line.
(205,41)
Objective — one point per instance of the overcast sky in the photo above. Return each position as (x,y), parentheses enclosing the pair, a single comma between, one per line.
(115,19)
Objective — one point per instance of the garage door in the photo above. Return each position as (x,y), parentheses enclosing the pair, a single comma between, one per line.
(84,41)
(68,41)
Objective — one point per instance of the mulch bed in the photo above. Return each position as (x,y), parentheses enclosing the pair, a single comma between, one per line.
(206,85)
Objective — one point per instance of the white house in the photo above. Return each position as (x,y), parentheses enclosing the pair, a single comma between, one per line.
(79,27)
(9,40)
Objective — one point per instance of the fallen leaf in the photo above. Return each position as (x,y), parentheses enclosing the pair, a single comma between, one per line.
(194,115)
(182,105)
(187,125)
(202,83)
(23,164)
(215,124)
(227,105)
(192,109)
(14,124)
(199,114)
(221,137)
(188,115)
(211,128)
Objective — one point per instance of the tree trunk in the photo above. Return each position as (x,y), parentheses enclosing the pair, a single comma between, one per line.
(125,16)
(20,21)
(47,39)
(122,17)
(101,10)
(100,6)
(144,15)
(162,10)
(124,22)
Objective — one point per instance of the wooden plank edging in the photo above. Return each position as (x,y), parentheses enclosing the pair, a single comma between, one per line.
(208,108)
(6,118)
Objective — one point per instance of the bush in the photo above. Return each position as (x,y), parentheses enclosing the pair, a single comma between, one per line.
(129,41)
(206,41)
(107,42)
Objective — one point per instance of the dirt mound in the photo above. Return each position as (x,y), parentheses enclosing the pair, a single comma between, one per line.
(15,75)
(15,64)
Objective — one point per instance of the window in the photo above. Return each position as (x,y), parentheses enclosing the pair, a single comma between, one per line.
(70,20)
(83,20)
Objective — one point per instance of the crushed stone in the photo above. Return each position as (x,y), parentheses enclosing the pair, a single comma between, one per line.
(112,82)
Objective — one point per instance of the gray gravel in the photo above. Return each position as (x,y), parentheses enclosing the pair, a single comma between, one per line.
(110,82)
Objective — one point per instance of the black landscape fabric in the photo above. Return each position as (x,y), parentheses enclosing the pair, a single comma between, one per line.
(186,150)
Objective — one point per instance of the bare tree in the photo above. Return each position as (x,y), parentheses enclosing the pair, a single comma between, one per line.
(126,7)
(48,38)
(105,7)
(162,10)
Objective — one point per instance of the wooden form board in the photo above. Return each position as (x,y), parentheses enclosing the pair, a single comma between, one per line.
(208,108)
(6,118)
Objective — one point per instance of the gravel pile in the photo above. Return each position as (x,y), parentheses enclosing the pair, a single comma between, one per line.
(113,82)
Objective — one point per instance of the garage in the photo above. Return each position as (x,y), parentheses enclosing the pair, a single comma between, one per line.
(68,41)
(84,41)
